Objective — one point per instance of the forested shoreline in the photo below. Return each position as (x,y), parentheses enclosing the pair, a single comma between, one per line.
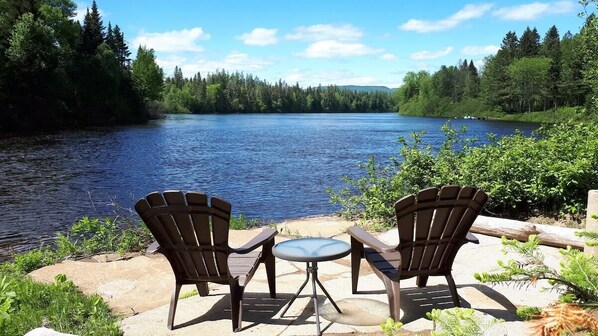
(56,72)
(223,92)
(526,74)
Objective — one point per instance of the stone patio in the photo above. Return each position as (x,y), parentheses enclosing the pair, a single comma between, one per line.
(139,289)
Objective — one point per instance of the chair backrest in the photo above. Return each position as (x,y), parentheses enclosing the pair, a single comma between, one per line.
(433,226)
(192,234)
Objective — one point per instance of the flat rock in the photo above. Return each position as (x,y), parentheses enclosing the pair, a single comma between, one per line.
(140,289)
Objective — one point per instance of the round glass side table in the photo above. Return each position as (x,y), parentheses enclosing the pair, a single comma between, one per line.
(311,251)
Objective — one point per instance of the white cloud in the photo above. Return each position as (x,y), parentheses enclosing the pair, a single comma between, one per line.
(467,13)
(322,32)
(172,41)
(235,61)
(259,37)
(336,49)
(388,57)
(534,10)
(310,77)
(429,55)
(479,50)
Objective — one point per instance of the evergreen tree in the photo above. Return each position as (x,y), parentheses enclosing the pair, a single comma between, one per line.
(93,32)
(551,48)
(472,82)
(110,41)
(510,47)
(529,45)
(121,49)
(571,85)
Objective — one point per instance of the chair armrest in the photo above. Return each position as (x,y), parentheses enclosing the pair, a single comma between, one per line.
(365,238)
(257,241)
(471,238)
(154,248)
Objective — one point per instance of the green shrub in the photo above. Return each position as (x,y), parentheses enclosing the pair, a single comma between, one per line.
(241,222)
(391,328)
(86,237)
(459,322)
(58,306)
(548,173)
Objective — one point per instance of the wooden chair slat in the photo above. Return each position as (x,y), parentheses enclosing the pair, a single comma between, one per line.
(432,227)
(193,236)
(185,226)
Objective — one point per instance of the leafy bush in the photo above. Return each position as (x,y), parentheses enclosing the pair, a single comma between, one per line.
(459,322)
(241,222)
(91,236)
(548,173)
(58,306)
(86,237)
(391,328)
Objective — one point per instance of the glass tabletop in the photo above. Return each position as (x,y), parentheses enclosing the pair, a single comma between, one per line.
(311,249)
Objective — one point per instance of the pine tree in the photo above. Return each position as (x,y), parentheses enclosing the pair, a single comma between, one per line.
(93,32)
(510,47)
(551,48)
(121,49)
(529,45)
(110,41)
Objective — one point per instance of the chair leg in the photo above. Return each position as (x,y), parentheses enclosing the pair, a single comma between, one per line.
(270,263)
(202,289)
(173,302)
(393,290)
(356,255)
(422,281)
(453,289)
(236,305)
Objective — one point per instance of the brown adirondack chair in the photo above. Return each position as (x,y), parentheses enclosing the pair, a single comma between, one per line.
(432,227)
(193,236)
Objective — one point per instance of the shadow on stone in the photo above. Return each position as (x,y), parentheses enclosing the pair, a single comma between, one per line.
(259,308)
(416,302)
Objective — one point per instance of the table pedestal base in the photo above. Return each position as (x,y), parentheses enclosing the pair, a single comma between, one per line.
(312,271)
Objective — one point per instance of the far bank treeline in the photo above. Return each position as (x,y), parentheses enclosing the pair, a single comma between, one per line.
(56,72)
(223,92)
(528,73)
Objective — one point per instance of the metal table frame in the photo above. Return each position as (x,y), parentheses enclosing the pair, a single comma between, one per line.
(312,273)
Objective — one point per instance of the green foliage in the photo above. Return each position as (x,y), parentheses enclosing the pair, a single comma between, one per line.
(547,173)
(391,328)
(86,237)
(55,72)
(90,236)
(576,281)
(26,304)
(241,222)
(528,313)
(147,75)
(523,76)
(7,296)
(223,92)
(459,322)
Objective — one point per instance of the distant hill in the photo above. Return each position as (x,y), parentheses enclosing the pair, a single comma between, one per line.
(362,88)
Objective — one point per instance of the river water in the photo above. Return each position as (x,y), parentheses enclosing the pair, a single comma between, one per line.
(269,166)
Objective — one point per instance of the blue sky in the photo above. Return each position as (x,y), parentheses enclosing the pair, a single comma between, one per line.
(327,41)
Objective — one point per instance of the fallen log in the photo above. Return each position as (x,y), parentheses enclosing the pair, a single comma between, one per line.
(549,235)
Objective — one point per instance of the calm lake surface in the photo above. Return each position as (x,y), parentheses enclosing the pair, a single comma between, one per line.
(273,166)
